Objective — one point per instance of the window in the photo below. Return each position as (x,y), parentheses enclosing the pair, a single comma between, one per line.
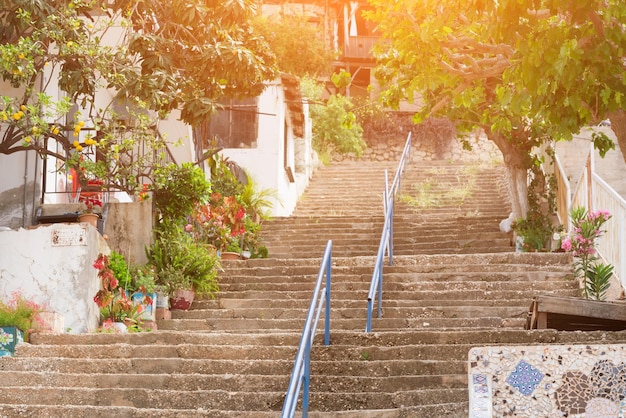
(235,126)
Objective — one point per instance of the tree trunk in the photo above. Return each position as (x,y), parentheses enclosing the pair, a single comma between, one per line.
(516,172)
(618,125)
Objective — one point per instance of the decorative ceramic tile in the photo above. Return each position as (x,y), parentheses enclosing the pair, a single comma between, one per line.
(572,381)
(480,401)
(601,408)
(525,378)
(9,338)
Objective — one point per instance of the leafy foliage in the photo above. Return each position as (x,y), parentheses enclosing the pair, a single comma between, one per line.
(114,300)
(178,189)
(182,263)
(119,267)
(523,72)
(19,312)
(299,48)
(587,228)
(335,127)
(153,57)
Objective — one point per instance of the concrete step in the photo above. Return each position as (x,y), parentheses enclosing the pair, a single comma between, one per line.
(232,356)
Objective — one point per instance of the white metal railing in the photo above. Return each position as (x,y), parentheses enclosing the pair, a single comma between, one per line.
(593,193)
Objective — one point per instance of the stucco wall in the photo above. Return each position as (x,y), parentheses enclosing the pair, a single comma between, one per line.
(53,266)
(266,163)
(129,229)
(19,192)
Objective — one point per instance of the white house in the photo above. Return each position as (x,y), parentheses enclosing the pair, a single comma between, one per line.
(272,141)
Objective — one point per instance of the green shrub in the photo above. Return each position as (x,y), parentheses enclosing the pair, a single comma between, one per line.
(19,312)
(177,189)
(182,263)
(335,127)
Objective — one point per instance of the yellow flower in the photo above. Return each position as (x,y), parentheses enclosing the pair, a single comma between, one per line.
(69,44)
(28,139)
(81,123)
(22,56)
(79,148)
(23,108)
(55,130)
(35,130)
(18,115)
(4,116)
(76,144)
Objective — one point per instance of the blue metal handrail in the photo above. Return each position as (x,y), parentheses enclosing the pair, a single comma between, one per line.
(386,239)
(302,366)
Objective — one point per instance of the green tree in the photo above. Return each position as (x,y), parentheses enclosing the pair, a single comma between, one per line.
(335,127)
(124,65)
(299,46)
(523,71)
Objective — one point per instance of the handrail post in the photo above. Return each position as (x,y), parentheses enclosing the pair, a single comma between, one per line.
(391,209)
(380,292)
(329,264)
(370,308)
(306,378)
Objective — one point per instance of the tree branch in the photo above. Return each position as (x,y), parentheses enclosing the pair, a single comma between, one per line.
(469,45)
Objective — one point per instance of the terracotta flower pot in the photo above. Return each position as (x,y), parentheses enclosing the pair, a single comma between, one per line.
(229,255)
(182,299)
(91,218)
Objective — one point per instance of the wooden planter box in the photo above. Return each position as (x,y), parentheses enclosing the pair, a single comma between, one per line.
(10,337)
(575,314)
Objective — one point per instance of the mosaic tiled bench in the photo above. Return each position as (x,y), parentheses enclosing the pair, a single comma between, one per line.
(548,381)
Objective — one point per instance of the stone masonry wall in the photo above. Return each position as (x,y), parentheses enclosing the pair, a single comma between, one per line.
(482,150)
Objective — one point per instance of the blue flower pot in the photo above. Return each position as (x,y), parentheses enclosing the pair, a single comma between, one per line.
(10,337)
(148,313)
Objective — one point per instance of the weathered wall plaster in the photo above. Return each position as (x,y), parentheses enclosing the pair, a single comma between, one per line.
(128,227)
(53,266)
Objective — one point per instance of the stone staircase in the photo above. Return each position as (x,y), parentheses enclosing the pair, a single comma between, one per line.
(454,284)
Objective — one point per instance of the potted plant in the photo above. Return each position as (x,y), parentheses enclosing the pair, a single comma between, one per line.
(594,276)
(181,291)
(183,265)
(220,224)
(115,303)
(16,322)
(143,290)
(88,215)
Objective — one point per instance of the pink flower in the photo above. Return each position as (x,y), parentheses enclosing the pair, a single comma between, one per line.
(566,244)
(188,228)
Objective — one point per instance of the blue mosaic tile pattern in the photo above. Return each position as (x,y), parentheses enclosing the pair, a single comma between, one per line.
(525,378)
(480,383)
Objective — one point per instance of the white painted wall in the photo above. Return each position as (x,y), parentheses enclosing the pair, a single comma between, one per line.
(266,163)
(179,136)
(53,266)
